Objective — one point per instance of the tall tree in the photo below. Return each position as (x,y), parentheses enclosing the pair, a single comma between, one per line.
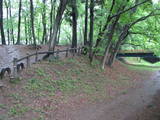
(11,29)
(52,17)
(44,37)
(74,23)
(8,30)
(1,23)
(86,23)
(91,28)
(19,22)
(26,32)
(53,39)
(32,21)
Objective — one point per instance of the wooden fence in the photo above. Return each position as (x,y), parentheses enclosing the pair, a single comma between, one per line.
(18,65)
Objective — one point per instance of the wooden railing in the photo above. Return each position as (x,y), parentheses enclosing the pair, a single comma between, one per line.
(18,65)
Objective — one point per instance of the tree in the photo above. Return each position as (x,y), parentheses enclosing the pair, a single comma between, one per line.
(7,11)
(11,29)
(74,23)
(1,23)
(56,25)
(32,22)
(19,22)
(91,28)
(86,23)
(44,37)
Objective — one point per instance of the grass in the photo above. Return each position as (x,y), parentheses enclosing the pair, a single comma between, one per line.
(50,83)
(140,64)
(18,110)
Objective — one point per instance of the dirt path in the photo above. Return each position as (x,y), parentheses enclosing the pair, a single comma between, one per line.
(130,106)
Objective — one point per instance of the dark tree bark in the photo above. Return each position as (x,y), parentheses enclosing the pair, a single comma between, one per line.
(109,40)
(53,39)
(29,31)
(11,30)
(44,37)
(1,23)
(26,30)
(19,22)
(91,29)
(32,21)
(102,32)
(74,24)
(8,30)
(86,24)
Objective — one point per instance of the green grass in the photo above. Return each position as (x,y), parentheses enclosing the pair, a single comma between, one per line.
(56,82)
(140,64)
(18,110)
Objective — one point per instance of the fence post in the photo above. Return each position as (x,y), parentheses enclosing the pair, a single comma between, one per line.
(15,74)
(57,54)
(28,60)
(67,52)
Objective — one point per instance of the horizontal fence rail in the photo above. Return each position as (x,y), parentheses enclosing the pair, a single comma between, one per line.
(19,64)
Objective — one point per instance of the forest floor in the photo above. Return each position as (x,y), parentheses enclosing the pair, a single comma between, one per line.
(72,89)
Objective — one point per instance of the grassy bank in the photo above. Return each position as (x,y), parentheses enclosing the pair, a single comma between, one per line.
(50,86)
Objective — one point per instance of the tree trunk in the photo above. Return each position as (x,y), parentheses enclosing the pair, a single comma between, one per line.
(19,22)
(52,17)
(53,39)
(74,24)
(59,34)
(44,37)
(86,24)
(29,31)
(122,37)
(1,23)
(11,31)
(91,29)
(26,31)
(32,22)
(8,31)
(109,40)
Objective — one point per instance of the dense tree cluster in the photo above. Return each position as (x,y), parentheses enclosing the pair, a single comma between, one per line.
(103,26)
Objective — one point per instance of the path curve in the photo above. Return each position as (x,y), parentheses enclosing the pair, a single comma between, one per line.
(124,106)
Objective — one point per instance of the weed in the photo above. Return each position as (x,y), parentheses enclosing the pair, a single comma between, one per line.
(16,96)
(18,110)
(65,84)
(40,72)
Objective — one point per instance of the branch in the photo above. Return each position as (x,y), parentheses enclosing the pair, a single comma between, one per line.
(136,5)
(143,18)
(141,33)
